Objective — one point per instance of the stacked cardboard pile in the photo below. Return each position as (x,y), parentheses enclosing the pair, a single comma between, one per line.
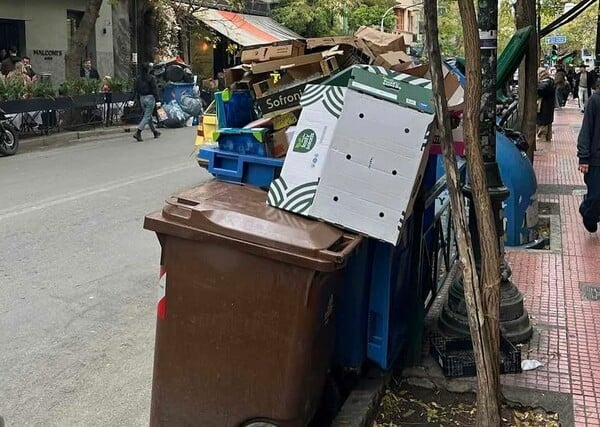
(353,117)
(276,76)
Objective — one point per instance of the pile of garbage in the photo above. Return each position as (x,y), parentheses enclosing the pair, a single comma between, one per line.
(180,95)
(352,116)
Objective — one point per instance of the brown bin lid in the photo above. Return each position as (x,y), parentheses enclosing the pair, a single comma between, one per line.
(242,213)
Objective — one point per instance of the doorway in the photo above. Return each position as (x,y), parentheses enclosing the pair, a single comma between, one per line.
(12,33)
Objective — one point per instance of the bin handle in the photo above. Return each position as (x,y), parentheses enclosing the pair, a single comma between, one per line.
(174,209)
(349,243)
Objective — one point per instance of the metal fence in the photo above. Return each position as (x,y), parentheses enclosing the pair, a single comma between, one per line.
(45,115)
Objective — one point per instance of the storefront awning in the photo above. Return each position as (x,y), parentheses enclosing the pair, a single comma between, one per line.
(246,30)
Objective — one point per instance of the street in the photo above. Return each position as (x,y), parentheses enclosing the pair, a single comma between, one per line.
(79,277)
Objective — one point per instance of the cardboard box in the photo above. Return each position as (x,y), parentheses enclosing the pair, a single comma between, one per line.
(403,89)
(452,88)
(280,143)
(379,42)
(373,168)
(268,53)
(295,61)
(296,187)
(390,59)
(284,100)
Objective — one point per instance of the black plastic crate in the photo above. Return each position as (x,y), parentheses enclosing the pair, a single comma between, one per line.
(456,358)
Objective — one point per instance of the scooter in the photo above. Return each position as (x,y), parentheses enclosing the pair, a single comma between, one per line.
(9,139)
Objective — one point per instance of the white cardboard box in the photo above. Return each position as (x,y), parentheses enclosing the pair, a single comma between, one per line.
(374,167)
(296,186)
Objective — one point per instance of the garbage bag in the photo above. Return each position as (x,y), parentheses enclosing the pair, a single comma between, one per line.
(191,105)
(176,117)
(175,73)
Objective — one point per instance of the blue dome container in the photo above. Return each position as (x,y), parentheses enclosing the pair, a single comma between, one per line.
(520,209)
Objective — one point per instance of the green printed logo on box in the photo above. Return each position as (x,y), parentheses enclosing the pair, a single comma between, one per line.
(305,141)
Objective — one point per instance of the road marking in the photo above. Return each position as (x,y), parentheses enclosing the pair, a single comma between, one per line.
(91,191)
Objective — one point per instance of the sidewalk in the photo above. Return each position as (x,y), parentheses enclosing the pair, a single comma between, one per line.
(566,322)
(58,139)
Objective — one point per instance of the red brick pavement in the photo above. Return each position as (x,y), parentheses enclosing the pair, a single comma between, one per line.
(567,325)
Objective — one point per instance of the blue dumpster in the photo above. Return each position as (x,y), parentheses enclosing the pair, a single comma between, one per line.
(379,301)
(520,208)
(352,311)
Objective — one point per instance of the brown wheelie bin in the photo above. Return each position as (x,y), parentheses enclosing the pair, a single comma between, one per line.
(246,327)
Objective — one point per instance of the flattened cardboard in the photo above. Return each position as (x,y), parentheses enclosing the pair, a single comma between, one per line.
(268,53)
(330,41)
(373,168)
(295,188)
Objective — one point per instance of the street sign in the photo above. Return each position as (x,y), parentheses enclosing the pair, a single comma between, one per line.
(556,40)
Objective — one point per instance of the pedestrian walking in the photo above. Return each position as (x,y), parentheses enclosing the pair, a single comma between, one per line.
(545,104)
(562,86)
(588,152)
(585,82)
(147,91)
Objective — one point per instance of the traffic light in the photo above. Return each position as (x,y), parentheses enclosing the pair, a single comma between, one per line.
(554,54)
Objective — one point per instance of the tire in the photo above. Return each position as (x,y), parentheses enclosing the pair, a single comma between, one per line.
(9,141)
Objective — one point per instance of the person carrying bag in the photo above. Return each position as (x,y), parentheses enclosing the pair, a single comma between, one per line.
(147,91)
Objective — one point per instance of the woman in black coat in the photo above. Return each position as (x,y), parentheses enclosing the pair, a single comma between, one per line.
(546,101)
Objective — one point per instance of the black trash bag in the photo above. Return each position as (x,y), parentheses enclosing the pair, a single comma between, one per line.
(518,138)
(188,76)
(175,73)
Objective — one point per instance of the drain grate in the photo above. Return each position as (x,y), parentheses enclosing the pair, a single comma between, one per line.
(548,208)
(590,291)
(560,189)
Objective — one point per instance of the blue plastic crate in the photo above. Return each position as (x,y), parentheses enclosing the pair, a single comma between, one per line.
(244,141)
(176,90)
(244,169)
(235,109)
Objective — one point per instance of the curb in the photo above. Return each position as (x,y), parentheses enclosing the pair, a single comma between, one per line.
(68,137)
(362,403)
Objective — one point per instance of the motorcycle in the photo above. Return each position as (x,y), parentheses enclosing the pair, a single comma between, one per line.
(9,139)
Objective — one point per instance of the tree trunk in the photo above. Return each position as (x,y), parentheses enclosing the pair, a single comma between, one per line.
(526,15)
(80,39)
(481,318)
(479,123)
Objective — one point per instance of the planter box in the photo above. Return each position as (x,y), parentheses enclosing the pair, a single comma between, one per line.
(34,104)
(86,101)
(119,97)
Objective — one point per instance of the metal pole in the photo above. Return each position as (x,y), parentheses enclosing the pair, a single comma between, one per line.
(514,320)
(383,17)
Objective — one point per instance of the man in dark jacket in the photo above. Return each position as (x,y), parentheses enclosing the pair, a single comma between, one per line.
(588,152)
(585,83)
(10,62)
(88,72)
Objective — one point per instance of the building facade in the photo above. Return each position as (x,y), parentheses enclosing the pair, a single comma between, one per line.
(408,15)
(42,29)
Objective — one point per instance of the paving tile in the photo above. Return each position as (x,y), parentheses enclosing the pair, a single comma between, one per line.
(566,324)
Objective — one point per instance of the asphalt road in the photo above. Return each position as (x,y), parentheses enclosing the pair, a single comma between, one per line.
(79,276)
